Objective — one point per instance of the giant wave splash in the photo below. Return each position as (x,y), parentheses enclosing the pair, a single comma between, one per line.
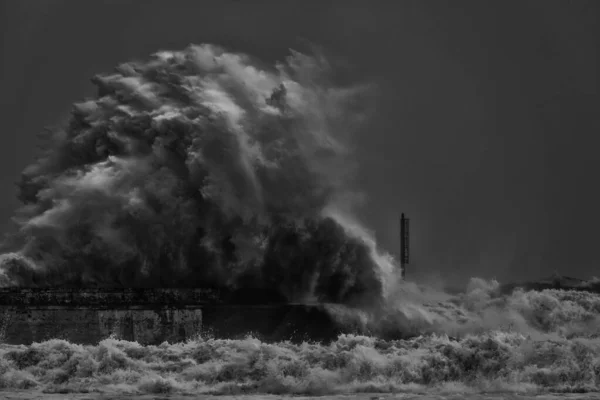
(200,168)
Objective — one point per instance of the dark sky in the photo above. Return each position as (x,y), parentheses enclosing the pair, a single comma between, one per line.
(485,131)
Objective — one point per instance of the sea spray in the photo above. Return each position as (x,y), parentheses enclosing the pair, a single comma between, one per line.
(201,168)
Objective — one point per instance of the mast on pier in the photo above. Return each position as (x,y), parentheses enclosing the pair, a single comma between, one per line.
(403,244)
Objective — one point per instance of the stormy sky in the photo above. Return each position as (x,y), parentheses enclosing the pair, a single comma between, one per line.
(484,131)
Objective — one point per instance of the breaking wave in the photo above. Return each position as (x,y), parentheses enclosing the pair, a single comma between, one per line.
(201,168)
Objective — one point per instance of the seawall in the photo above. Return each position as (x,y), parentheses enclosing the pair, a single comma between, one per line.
(24,325)
(152,316)
(85,325)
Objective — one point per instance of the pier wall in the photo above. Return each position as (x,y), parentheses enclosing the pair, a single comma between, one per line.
(152,316)
(24,325)
(86,325)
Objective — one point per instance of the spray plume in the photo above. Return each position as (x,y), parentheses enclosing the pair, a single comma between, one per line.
(201,168)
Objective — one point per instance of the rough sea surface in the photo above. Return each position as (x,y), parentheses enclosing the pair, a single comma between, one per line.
(550,343)
(402,396)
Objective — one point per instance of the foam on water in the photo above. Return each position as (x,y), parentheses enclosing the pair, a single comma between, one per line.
(535,341)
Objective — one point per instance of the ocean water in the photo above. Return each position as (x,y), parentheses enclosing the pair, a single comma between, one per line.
(496,362)
(365,396)
(525,343)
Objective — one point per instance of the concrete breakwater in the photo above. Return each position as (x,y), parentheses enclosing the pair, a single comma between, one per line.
(24,325)
(152,316)
(109,298)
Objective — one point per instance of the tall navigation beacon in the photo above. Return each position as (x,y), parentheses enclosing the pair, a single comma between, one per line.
(403,244)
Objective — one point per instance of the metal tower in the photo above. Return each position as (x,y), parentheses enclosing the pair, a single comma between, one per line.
(403,244)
